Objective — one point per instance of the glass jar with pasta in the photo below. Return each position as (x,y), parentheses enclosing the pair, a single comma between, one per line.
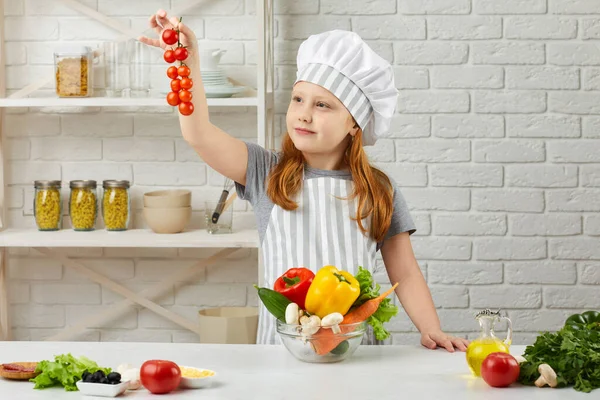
(73,71)
(116,205)
(47,205)
(83,205)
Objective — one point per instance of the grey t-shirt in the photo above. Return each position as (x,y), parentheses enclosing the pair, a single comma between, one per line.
(260,162)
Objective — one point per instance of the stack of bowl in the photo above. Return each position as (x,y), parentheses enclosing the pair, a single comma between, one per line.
(168,211)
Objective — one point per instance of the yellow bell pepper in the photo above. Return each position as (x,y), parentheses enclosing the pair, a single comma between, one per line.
(331,291)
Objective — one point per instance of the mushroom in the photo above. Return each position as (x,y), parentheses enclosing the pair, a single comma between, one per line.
(131,374)
(310,325)
(547,377)
(332,321)
(291,314)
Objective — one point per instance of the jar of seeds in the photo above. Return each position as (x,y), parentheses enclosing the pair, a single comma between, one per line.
(116,205)
(83,205)
(47,205)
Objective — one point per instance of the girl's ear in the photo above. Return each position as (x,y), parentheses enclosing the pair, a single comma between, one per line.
(354,130)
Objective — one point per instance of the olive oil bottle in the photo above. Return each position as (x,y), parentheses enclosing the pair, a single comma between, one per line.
(487,342)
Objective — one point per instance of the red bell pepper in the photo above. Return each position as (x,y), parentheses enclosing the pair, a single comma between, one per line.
(294,284)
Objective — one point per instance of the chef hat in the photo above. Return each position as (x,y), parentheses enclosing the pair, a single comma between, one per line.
(341,62)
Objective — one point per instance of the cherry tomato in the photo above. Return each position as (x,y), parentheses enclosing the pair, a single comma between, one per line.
(181,53)
(169,36)
(160,376)
(186,108)
(172,72)
(186,83)
(499,369)
(185,96)
(173,99)
(183,71)
(176,85)
(169,56)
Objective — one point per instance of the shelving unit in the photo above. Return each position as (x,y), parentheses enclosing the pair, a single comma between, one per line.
(132,238)
(118,102)
(52,243)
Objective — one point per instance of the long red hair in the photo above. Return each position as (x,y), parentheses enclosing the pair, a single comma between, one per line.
(372,187)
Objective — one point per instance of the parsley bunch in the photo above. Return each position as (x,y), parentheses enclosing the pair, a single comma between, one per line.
(574,354)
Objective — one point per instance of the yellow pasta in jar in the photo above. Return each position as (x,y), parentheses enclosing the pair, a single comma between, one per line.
(83,206)
(72,77)
(115,207)
(47,209)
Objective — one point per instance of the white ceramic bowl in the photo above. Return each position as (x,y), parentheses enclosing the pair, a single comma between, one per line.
(197,383)
(168,198)
(102,389)
(167,220)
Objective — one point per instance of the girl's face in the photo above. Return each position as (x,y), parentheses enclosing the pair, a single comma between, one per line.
(317,121)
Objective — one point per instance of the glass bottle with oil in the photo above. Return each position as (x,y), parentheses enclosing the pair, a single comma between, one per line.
(487,342)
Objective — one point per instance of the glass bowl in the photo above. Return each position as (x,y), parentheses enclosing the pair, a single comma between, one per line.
(324,346)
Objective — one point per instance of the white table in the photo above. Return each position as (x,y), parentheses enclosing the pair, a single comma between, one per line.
(270,372)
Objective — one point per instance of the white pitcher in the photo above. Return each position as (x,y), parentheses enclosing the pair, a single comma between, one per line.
(210,58)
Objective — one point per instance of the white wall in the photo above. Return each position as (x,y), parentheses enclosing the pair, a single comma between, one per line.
(495,145)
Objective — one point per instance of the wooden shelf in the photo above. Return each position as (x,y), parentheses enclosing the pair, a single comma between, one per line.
(247,238)
(117,102)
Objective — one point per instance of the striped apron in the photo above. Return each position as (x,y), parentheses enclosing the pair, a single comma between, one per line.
(319,232)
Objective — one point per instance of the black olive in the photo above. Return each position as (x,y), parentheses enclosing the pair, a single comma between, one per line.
(85,375)
(114,377)
(104,380)
(97,376)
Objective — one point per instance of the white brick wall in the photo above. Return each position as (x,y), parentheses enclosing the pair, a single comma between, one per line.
(495,145)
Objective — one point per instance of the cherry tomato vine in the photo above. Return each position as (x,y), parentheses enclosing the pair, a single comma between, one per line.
(180,95)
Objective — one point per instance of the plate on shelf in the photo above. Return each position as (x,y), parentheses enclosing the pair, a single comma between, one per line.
(222,91)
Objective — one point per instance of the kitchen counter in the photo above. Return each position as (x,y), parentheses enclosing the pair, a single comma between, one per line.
(270,372)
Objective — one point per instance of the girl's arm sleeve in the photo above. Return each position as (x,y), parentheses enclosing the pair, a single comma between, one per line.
(260,162)
(401,219)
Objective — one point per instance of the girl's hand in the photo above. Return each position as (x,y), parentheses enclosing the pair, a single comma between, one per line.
(432,340)
(186,35)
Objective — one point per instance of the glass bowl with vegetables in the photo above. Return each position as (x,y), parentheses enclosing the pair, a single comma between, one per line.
(323,345)
(324,317)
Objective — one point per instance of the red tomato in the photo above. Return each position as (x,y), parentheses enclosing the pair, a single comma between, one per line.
(169,56)
(186,108)
(185,96)
(176,85)
(186,83)
(181,53)
(172,72)
(169,36)
(160,376)
(183,71)
(173,99)
(500,369)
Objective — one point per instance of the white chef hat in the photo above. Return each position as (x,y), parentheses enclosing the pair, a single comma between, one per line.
(341,62)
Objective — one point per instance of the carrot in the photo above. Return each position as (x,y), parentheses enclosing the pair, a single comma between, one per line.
(368,308)
(325,340)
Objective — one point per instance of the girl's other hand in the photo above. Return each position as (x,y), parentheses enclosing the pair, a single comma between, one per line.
(159,22)
(435,339)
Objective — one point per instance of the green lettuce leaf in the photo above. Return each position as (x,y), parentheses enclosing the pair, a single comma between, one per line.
(369,289)
(65,371)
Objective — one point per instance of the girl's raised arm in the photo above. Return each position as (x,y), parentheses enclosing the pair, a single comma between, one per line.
(222,152)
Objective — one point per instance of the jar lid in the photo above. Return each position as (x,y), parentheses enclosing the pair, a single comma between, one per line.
(82,184)
(47,184)
(111,183)
(73,49)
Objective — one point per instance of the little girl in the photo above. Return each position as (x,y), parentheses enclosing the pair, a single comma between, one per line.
(319,202)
